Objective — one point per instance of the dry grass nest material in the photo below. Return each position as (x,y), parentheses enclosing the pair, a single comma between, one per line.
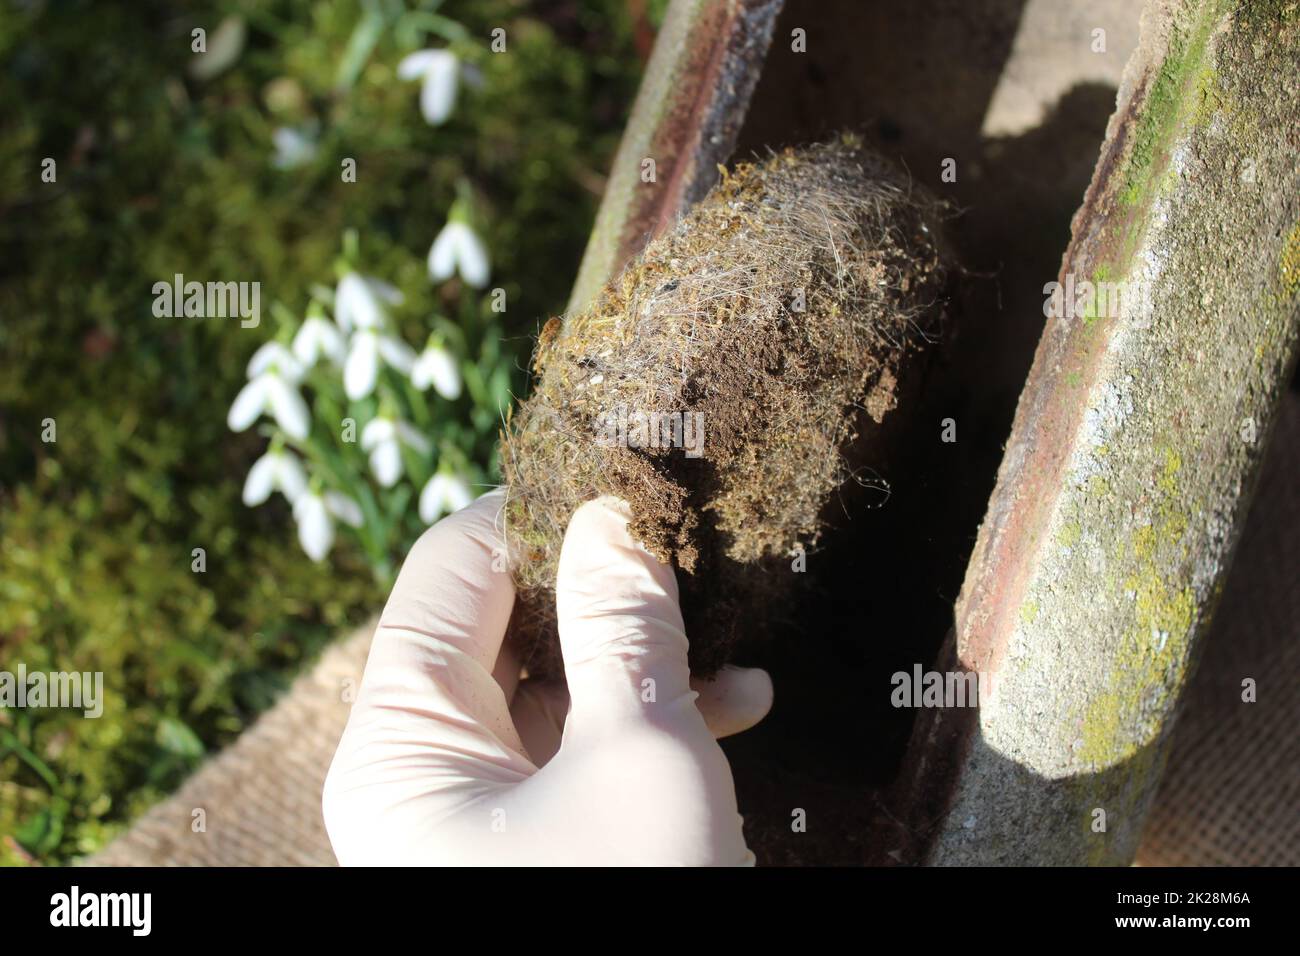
(770,322)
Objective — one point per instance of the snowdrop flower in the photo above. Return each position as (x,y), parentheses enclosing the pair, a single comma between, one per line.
(437,367)
(458,249)
(437,69)
(293,148)
(361,302)
(315,514)
(223,48)
(318,337)
(443,494)
(365,350)
(273,375)
(383,438)
(277,470)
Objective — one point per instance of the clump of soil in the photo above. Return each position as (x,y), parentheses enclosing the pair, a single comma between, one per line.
(721,384)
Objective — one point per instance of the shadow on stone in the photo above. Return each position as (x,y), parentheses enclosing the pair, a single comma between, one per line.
(916,79)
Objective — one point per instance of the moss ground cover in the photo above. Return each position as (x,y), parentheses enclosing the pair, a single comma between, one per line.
(160,171)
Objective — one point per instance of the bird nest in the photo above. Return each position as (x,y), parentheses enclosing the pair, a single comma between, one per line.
(718,382)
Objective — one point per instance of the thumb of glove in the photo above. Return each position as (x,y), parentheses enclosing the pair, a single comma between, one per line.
(621,632)
(634,732)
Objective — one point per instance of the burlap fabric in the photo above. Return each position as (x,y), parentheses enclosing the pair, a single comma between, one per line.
(260,796)
(1229,795)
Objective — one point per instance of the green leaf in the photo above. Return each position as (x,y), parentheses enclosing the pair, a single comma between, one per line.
(360,45)
(176,738)
(42,833)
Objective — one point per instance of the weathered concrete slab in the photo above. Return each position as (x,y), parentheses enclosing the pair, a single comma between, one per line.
(1135,445)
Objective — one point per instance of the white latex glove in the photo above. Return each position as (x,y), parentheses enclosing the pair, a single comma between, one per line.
(433,767)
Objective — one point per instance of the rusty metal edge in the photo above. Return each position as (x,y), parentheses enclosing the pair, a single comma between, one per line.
(706,61)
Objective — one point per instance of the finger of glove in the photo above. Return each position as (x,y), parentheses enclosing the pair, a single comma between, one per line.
(430,728)
(621,632)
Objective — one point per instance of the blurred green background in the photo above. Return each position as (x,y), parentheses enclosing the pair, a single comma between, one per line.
(161,171)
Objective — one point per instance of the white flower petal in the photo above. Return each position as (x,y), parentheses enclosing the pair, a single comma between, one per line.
(315,530)
(344,508)
(438,93)
(472,257)
(223,47)
(356,305)
(386,463)
(443,494)
(306,344)
(263,358)
(437,367)
(270,356)
(332,344)
(397,353)
(421,373)
(431,500)
(289,476)
(458,493)
(362,366)
(287,406)
(261,480)
(318,337)
(385,291)
(248,405)
(442,254)
(412,438)
(377,430)
(415,65)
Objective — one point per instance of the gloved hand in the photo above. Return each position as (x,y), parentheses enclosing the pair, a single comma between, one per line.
(448,759)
